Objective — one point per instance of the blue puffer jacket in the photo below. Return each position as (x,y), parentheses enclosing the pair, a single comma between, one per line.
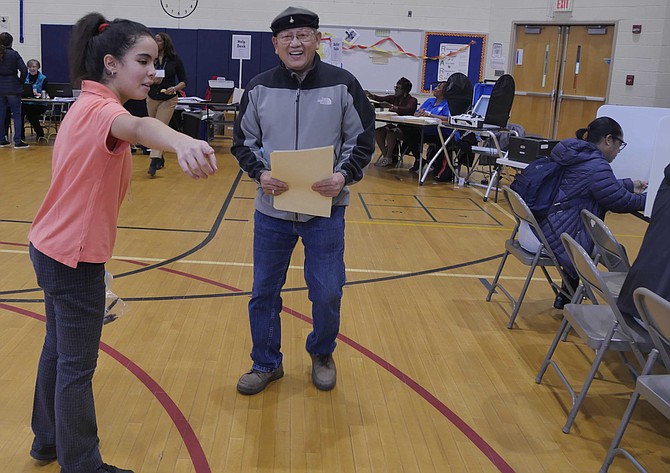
(588,183)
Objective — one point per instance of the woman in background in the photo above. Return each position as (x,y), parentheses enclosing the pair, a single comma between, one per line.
(434,107)
(34,111)
(400,102)
(169,81)
(588,182)
(13,72)
(73,233)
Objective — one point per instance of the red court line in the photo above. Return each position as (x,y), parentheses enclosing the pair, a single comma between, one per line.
(13,244)
(190,439)
(187,434)
(451,416)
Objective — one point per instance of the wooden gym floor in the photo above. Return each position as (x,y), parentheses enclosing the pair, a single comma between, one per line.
(429,378)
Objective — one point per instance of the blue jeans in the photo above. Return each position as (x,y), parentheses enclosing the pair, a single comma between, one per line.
(63,408)
(274,241)
(14,104)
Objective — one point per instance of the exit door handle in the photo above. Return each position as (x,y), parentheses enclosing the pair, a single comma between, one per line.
(535,94)
(581,97)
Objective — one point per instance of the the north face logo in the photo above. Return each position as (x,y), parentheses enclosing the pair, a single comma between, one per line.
(325,101)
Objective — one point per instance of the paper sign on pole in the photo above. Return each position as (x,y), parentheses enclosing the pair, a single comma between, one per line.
(241,46)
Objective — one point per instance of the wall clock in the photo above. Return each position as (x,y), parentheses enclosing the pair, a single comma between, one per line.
(179,8)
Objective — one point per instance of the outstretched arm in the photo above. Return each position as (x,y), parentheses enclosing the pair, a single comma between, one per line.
(196,158)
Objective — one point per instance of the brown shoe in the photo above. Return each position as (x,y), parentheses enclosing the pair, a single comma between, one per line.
(255,381)
(324,373)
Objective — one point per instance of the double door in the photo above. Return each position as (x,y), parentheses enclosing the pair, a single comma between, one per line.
(562,74)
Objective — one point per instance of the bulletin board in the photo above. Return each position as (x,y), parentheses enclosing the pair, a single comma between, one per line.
(446,53)
(378,57)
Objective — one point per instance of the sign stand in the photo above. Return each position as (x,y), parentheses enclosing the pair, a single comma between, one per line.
(241,50)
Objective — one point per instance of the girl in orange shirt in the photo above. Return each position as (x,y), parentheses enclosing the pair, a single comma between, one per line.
(74,231)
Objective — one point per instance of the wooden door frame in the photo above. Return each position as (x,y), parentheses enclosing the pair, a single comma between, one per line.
(512,55)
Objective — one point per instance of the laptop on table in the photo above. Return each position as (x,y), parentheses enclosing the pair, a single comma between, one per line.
(27,91)
(59,90)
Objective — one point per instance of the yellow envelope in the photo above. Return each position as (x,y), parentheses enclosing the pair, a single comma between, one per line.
(300,169)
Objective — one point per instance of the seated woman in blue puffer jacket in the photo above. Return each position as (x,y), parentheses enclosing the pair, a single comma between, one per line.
(588,182)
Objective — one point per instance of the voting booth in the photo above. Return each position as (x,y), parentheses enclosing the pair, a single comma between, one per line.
(222,89)
(645,129)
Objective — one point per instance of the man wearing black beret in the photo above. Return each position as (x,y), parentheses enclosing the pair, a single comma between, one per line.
(300,104)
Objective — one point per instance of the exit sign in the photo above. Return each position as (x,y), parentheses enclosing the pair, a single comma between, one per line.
(562,5)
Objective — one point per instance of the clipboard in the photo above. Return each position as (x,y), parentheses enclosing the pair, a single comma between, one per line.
(300,169)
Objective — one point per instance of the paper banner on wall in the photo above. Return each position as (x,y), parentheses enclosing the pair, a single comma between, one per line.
(452,61)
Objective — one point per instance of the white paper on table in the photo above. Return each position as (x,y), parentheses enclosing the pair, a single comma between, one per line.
(300,169)
(418,120)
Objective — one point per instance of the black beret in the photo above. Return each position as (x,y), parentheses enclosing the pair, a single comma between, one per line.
(294,17)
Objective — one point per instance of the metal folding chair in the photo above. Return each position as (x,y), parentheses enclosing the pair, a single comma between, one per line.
(601,326)
(655,388)
(607,251)
(541,258)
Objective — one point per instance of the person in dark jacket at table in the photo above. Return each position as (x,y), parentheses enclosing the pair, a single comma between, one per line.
(588,182)
(651,268)
(402,103)
(13,72)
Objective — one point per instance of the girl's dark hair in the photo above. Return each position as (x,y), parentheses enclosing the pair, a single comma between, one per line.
(599,129)
(168,45)
(6,41)
(93,37)
(405,84)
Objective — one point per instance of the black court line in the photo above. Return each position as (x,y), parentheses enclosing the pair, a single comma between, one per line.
(407,220)
(290,289)
(365,206)
(210,235)
(482,209)
(426,209)
(5,220)
(486,212)
(171,230)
